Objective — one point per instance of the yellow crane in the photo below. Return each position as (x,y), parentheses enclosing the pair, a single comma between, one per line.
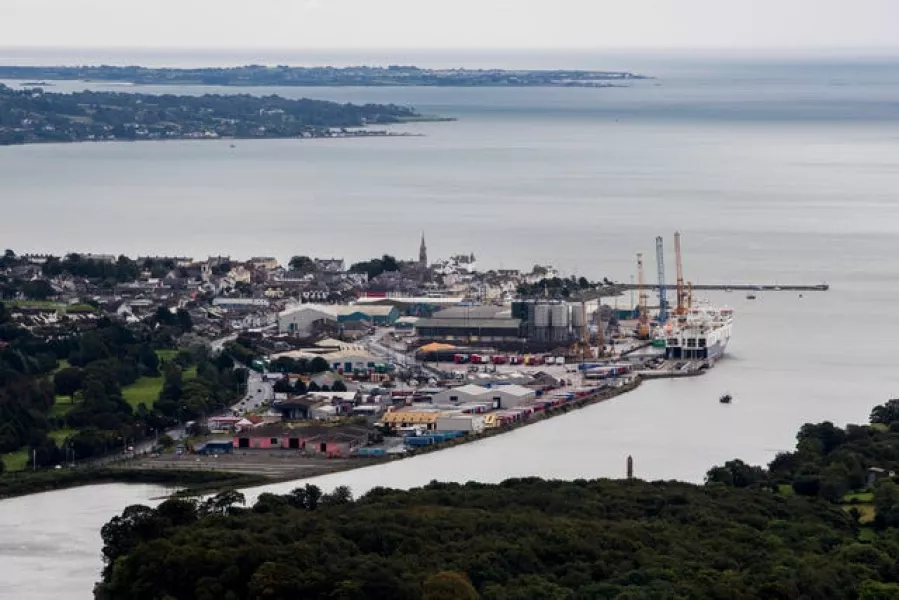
(643,322)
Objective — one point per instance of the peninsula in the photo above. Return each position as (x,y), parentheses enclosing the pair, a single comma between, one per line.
(34,115)
(258,75)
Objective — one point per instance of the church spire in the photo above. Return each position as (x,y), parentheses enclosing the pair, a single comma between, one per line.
(423,252)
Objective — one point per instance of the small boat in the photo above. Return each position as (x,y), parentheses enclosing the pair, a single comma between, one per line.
(233,146)
(725,399)
(750,296)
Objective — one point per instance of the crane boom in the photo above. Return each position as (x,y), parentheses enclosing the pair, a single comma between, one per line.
(643,324)
(663,296)
(681,304)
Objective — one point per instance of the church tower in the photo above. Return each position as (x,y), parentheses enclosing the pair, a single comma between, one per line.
(423,252)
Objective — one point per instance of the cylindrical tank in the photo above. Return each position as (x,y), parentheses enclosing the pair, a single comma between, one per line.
(560,317)
(542,315)
(577,315)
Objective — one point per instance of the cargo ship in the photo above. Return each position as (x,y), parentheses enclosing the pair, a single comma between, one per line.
(703,333)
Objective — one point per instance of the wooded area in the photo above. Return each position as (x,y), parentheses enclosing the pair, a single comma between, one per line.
(749,532)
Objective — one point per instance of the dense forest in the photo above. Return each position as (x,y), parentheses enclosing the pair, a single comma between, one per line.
(788,531)
(33,115)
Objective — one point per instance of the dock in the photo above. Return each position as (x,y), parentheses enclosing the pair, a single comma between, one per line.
(670,369)
(746,287)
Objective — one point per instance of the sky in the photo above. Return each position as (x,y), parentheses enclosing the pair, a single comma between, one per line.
(446,24)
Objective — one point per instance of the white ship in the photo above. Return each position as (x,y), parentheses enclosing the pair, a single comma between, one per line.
(703,333)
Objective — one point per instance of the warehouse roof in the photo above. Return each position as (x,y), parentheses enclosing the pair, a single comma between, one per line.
(374,311)
(470,312)
(469,324)
(515,390)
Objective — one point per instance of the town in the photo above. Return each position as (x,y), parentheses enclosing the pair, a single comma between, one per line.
(317,360)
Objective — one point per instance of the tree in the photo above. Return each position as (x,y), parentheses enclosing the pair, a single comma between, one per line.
(68,381)
(299,388)
(39,289)
(303,264)
(313,387)
(736,473)
(448,585)
(319,365)
(340,496)
(185,323)
(282,386)
(149,361)
(223,502)
(339,386)
(886,413)
(886,504)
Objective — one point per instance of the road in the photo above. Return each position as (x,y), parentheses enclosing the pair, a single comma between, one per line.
(376,346)
(259,393)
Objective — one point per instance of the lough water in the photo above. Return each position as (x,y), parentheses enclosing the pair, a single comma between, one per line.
(775,171)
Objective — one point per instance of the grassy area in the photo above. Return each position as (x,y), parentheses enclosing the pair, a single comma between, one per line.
(785,489)
(866,512)
(166,355)
(859,497)
(867,534)
(62,406)
(63,364)
(881,427)
(145,389)
(60,435)
(49,304)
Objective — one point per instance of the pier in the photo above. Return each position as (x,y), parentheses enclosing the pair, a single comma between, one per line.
(747,287)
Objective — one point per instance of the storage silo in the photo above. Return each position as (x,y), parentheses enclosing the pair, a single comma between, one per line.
(577,315)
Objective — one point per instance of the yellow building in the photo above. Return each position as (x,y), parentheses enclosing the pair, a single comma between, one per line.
(397,419)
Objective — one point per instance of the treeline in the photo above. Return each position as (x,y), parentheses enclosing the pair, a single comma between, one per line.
(558,287)
(376,266)
(741,536)
(830,463)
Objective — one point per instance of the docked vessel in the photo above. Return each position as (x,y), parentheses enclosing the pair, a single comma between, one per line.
(703,333)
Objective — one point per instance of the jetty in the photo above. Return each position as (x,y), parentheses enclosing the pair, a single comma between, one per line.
(748,287)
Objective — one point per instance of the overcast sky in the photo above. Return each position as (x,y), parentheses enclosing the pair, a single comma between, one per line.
(625,24)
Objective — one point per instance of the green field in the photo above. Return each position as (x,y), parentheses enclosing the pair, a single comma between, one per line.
(145,389)
(166,355)
(860,497)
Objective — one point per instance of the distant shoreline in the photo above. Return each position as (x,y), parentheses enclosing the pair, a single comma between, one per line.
(347,136)
(360,76)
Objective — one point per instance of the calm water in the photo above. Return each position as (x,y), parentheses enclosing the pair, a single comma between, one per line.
(775,172)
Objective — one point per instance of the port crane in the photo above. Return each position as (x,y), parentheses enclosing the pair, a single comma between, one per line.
(681,293)
(663,296)
(643,322)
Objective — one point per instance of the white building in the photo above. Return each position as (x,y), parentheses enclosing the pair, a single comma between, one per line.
(511,396)
(300,320)
(460,395)
(469,423)
(241,303)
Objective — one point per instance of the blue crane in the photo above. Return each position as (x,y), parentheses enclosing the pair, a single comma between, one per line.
(663,302)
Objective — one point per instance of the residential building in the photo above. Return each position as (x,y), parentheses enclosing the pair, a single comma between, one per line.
(241,303)
(330,265)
